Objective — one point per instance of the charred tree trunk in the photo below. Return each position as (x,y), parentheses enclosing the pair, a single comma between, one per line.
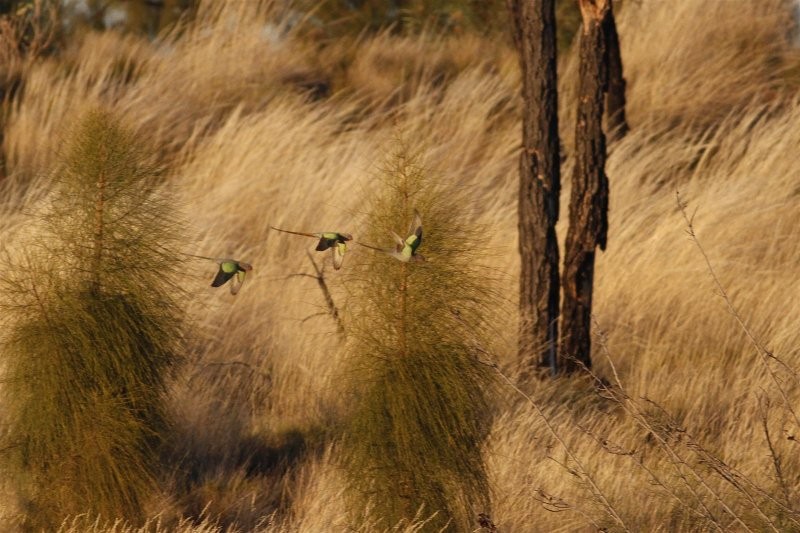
(2,140)
(617,123)
(10,85)
(588,205)
(539,183)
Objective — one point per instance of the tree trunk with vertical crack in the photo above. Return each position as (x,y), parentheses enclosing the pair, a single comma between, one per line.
(588,206)
(3,173)
(534,28)
(617,122)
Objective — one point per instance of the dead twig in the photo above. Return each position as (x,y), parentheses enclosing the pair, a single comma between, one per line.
(676,460)
(763,409)
(764,353)
(584,474)
(326,293)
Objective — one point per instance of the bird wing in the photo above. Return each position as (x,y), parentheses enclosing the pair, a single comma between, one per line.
(303,233)
(416,225)
(323,244)
(338,255)
(222,277)
(399,240)
(238,281)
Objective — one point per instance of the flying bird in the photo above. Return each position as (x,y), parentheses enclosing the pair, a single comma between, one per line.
(231,269)
(406,249)
(228,269)
(334,240)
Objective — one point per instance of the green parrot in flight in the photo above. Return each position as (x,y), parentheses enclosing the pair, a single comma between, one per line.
(334,240)
(406,249)
(228,269)
(231,269)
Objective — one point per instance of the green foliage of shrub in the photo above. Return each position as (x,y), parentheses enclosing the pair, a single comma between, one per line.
(420,393)
(92,332)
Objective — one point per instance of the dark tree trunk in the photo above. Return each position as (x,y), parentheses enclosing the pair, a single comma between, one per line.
(588,205)
(2,141)
(539,184)
(7,87)
(617,123)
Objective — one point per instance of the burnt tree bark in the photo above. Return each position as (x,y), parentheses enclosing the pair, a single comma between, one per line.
(534,27)
(617,122)
(588,205)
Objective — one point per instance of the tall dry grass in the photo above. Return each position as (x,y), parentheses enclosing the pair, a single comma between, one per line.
(680,445)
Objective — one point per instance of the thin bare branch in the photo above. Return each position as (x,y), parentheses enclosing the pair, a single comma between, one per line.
(326,293)
(584,474)
(762,351)
(763,409)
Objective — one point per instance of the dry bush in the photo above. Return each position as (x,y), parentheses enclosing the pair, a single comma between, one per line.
(174,90)
(689,64)
(711,105)
(230,59)
(386,70)
(700,70)
(28,32)
(449,16)
(675,342)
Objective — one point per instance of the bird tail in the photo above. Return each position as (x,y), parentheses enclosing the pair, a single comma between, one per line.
(221,278)
(304,234)
(216,259)
(369,246)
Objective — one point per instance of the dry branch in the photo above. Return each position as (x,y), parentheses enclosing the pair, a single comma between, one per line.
(764,354)
(326,293)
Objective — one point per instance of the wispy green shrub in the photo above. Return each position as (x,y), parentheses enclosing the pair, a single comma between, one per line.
(91,333)
(421,409)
